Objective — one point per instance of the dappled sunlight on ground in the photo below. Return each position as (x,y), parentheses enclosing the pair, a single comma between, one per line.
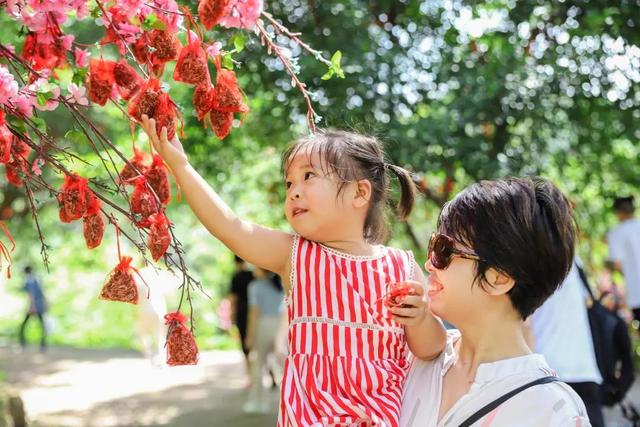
(77,387)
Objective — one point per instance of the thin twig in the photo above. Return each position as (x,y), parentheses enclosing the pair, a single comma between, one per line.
(265,37)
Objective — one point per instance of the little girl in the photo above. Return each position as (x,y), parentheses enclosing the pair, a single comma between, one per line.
(347,357)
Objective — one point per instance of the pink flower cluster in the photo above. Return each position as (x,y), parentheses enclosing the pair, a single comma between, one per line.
(243,14)
(39,15)
(11,96)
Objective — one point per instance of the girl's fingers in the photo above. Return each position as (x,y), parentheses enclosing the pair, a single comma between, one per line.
(163,135)
(412,300)
(405,312)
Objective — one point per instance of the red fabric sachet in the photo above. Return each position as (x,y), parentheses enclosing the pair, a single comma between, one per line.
(120,285)
(127,80)
(165,115)
(73,198)
(221,122)
(101,80)
(139,161)
(92,223)
(158,178)
(212,11)
(192,63)
(146,101)
(143,203)
(203,100)
(181,346)
(228,96)
(159,238)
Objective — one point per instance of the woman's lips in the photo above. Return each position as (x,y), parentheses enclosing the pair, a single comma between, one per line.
(434,286)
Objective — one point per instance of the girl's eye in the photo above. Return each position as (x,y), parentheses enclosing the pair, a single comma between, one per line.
(287,185)
(308,175)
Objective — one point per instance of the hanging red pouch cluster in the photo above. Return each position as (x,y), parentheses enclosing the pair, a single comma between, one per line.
(146,101)
(181,346)
(165,115)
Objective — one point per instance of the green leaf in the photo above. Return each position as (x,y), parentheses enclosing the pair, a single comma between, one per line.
(42,98)
(336,58)
(79,76)
(328,74)
(152,22)
(75,136)
(40,124)
(65,75)
(227,61)
(239,42)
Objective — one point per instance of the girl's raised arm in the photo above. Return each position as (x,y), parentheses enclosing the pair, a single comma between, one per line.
(258,245)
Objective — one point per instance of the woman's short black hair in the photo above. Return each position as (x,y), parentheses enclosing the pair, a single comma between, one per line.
(523,227)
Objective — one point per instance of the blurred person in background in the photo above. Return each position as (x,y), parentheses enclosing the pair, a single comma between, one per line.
(37,307)
(266,304)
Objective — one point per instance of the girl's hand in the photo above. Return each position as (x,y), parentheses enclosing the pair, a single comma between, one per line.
(170,151)
(411,309)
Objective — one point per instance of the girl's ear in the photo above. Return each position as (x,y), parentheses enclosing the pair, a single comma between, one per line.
(362,194)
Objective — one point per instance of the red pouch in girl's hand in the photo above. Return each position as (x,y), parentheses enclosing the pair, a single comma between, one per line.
(126,79)
(192,63)
(101,80)
(139,161)
(159,238)
(74,197)
(397,293)
(181,346)
(221,122)
(203,99)
(121,286)
(143,203)
(212,11)
(165,115)
(146,101)
(158,178)
(93,223)
(228,96)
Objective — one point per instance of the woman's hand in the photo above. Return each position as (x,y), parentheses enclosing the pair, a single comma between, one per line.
(170,151)
(411,309)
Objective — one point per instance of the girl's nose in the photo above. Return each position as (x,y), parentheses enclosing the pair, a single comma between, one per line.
(428,266)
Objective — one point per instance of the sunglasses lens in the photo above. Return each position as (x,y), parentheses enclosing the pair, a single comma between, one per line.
(441,251)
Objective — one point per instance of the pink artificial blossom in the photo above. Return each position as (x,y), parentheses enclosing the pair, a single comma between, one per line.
(78,94)
(82,57)
(50,104)
(35,167)
(244,14)
(24,104)
(214,49)
(8,86)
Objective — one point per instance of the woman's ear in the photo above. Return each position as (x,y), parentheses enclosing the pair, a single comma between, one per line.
(499,283)
(362,194)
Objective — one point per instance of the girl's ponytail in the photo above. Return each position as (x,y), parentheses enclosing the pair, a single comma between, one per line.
(407,190)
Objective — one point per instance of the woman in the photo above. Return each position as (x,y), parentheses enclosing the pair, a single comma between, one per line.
(502,248)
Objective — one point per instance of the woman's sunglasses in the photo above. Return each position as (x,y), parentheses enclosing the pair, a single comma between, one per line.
(442,250)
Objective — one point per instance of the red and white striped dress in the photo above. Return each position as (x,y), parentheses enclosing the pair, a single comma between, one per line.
(347,360)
